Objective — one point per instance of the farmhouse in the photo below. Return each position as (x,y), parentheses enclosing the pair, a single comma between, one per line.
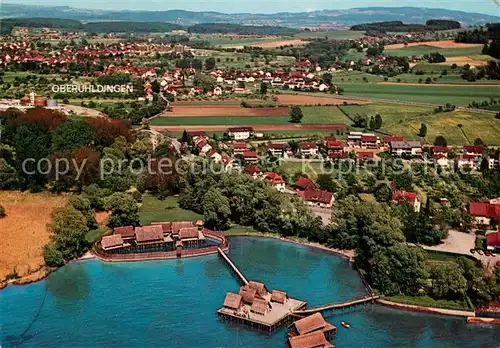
(303,184)
(253,170)
(275,149)
(410,197)
(250,156)
(315,197)
(467,160)
(240,133)
(364,140)
(335,146)
(407,147)
(388,138)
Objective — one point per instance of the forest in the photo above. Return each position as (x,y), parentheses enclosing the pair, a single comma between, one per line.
(226,28)
(399,26)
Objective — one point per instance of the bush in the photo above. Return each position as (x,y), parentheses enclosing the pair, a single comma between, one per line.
(52,256)
(2,211)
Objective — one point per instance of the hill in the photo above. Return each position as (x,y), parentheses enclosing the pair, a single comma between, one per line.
(332,18)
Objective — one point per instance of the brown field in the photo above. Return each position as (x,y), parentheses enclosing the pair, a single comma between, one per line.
(223,110)
(256,127)
(274,44)
(438,44)
(301,99)
(462,60)
(24,230)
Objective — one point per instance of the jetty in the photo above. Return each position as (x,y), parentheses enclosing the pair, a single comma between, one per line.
(337,305)
(232,266)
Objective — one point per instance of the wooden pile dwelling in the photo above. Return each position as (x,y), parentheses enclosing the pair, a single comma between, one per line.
(312,323)
(255,306)
(315,339)
(159,236)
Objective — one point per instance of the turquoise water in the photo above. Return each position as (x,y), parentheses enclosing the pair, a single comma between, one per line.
(172,303)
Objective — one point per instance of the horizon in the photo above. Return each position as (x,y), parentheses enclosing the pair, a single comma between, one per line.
(486,7)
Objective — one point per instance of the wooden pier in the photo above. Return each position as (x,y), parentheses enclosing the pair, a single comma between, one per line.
(337,305)
(233,267)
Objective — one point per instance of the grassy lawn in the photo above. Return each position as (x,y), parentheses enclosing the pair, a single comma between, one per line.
(92,235)
(458,95)
(429,302)
(312,169)
(424,49)
(155,210)
(324,115)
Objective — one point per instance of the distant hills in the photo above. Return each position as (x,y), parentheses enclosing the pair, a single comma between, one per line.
(329,18)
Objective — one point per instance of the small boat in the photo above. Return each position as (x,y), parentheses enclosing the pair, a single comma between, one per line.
(346,324)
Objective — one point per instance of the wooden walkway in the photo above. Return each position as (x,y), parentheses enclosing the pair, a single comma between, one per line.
(233,267)
(338,305)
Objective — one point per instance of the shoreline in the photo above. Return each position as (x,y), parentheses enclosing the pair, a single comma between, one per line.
(429,310)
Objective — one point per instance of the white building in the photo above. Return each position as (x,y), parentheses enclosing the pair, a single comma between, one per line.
(240,133)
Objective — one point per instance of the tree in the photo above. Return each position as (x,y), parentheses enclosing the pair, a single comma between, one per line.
(52,256)
(263,88)
(2,211)
(210,63)
(360,120)
(404,181)
(478,142)
(448,281)
(71,135)
(295,114)
(398,269)
(371,124)
(327,78)
(325,182)
(378,121)
(383,193)
(207,83)
(440,141)
(423,130)
(216,209)
(124,210)
(8,176)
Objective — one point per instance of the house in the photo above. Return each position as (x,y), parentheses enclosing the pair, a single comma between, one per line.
(388,138)
(304,183)
(370,141)
(240,133)
(275,149)
(485,212)
(197,135)
(240,148)
(217,91)
(315,197)
(227,161)
(467,160)
(442,161)
(314,339)
(311,323)
(214,155)
(410,197)
(232,301)
(493,240)
(366,156)
(476,150)
(253,170)
(250,156)
(440,150)
(336,156)
(308,148)
(203,146)
(276,181)
(335,146)
(406,147)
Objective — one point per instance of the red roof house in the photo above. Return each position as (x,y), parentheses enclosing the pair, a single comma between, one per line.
(305,183)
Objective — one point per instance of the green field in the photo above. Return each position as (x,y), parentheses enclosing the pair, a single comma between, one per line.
(405,120)
(155,210)
(424,49)
(458,95)
(312,114)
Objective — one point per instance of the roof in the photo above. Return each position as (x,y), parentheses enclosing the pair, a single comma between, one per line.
(188,232)
(309,324)
(149,233)
(305,145)
(240,146)
(439,149)
(365,155)
(240,129)
(252,169)
(247,294)
(473,149)
(249,153)
(305,183)
(259,287)
(278,296)
(232,300)
(389,138)
(493,238)
(369,138)
(276,146)
(335,144)
(466,157)
(274,178)
(410,197)
(485,209)
(124,231)
(311,340)
(259,306)
(317,196)
(176,226)
(406,144)
(111,241)
(338,155)
(166,226)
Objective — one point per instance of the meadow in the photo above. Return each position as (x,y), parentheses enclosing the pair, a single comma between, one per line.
(457,95)
(405,120)
(424,49)
(155,210)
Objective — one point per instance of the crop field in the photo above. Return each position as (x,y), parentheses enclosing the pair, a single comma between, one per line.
(295,128)
(426,49)
(307,99)
(436,44)
(24,230)
(218,120)
(225,110)
(405,120)
(458,95)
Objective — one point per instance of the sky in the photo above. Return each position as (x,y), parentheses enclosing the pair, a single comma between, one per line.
(265,6)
